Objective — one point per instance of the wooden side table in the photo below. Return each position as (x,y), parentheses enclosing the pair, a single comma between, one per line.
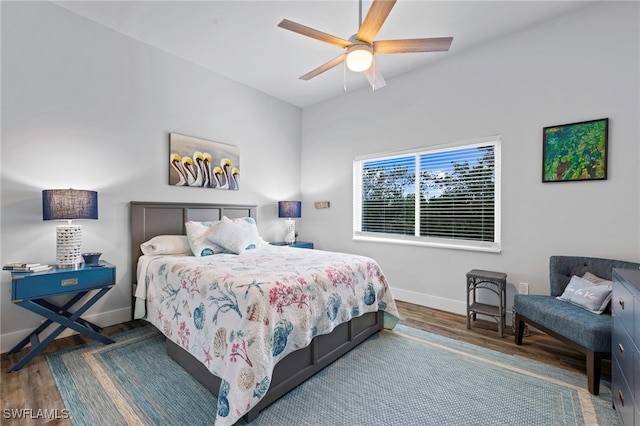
(495,282)
(30,290)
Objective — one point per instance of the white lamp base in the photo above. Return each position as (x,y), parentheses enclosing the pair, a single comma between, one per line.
(289,231)
(68,241)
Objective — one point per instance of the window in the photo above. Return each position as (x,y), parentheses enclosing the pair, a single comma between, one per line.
(447,196)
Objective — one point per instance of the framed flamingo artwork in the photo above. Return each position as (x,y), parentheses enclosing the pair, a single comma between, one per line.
(202,163)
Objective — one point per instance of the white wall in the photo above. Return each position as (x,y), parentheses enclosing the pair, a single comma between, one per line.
(85,107)
(578,67)
(88,108)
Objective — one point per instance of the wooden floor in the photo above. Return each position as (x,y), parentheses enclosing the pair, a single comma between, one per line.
(33,387)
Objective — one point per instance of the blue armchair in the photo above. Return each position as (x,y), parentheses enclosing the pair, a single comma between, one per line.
(588,332)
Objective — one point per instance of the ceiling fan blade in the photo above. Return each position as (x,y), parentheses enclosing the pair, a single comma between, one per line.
(324,67)
(310,32)
(376,16)
(375,78)
(438,44)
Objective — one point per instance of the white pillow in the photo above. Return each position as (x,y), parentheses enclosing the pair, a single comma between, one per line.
(595,279)
(197,236)
(592,297)
(167,244)
(236,235)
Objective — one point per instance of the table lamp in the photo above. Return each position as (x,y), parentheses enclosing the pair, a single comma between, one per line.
(289,210)
(69,204)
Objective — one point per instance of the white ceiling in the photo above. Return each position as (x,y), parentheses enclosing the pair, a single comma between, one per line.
(241,40)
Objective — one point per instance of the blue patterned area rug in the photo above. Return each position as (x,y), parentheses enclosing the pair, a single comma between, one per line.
(399,377)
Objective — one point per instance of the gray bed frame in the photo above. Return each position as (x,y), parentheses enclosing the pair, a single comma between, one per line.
(149,219)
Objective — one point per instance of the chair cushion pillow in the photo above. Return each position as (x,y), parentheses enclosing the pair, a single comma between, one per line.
(592,297)
(595,279)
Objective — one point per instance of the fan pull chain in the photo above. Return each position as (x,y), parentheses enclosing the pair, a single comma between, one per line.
(373,73)
(344,75)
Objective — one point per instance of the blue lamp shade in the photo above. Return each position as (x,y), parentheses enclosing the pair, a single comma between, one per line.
(69,204)
(290,209)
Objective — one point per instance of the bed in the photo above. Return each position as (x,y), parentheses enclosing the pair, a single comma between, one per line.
(247,335)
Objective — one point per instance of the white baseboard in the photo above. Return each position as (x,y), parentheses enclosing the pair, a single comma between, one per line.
(447,305)
(101,319)
(435,302)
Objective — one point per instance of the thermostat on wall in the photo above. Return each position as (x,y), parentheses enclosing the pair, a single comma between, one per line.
(321,204)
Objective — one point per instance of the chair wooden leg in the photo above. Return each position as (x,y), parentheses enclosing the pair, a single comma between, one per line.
(594,362)
(519,329)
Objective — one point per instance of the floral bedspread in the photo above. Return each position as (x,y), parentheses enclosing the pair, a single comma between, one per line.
(240,314)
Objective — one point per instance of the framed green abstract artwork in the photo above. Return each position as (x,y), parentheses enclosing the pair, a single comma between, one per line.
(575,151)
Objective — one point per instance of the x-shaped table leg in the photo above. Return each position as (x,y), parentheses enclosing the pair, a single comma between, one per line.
(62,316)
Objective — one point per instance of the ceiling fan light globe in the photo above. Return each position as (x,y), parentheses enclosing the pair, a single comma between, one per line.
(359,57)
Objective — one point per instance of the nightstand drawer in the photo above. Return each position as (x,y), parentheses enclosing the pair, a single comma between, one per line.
(60,281)
(297,244)
(302,244)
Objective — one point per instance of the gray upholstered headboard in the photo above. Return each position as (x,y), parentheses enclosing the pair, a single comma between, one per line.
(149,219)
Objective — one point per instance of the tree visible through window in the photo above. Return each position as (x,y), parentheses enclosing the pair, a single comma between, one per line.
(447,196)
(388,196)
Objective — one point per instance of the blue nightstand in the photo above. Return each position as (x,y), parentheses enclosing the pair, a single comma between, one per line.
(297,244)
(30,289)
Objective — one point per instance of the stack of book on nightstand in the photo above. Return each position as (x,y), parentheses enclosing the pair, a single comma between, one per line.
(25,267)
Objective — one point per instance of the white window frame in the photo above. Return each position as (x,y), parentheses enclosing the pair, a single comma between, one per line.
(417,240)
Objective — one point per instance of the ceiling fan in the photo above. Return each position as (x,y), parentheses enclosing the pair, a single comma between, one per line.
(361,47)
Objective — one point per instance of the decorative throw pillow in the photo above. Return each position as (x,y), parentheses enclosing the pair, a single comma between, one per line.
(594,298)
(197,236)
(235,235)
(595,279)
(167,244)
